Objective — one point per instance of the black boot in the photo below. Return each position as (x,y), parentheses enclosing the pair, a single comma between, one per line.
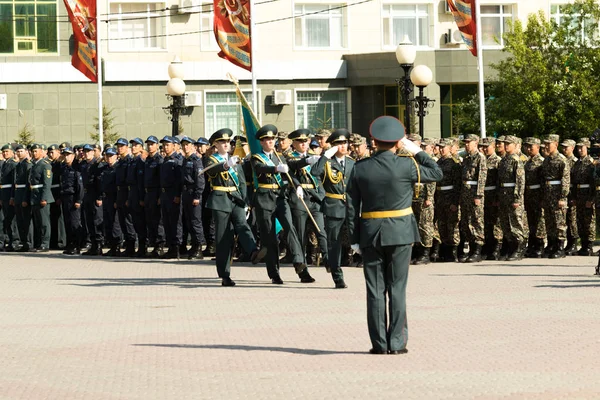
(495,253)
(157,251)
(94,250)
(415,252)
(586,249)
(423,257)
(113,252)
(538,248)
(129,249)
(517,252)
(475,255)
(183,249)
(559,251)
(434,254)
(173,252)
(597,268)
(452,255)
(460,252)
(142,251)
(571,248)
(194,253)
(210,250)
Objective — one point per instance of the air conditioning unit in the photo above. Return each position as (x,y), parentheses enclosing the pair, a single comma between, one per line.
(188,6)
(454,37)
(281,97)
(447,8)
(193,99)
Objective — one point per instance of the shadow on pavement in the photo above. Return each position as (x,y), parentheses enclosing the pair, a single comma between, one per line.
(292,350)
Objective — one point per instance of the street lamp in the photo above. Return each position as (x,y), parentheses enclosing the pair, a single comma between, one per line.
(421,76)
(406,53)
(176,94)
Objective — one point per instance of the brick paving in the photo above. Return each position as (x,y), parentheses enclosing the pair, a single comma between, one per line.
(81,328)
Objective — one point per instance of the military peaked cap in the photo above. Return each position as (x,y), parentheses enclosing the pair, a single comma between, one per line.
(387,129)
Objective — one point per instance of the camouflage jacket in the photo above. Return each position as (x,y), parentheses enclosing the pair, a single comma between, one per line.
(571,161)
(491,181)
(583,179)
(555,169)
(533,177)
(511,179)
(452,177)
(474,174)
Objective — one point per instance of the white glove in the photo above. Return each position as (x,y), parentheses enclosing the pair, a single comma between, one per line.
(331,152)
(233,160)
(283,168)
(300,192)
(410,146)
(355,248)
(312,159)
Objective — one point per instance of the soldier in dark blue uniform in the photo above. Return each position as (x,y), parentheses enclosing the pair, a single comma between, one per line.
(170,198)
(91,173)
(384,229)
(40,197)
(191,198)
(135,180)
(7,182)
(109,202)
(57,223)
(208,223)
(20,198)
(152,165)
(71,198)
(123,211)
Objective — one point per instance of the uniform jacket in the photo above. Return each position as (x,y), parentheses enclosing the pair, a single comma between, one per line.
(265,198)
(384,182)
(335,181)
(193,177)
(170,174)
(491,179)
(300,172)
(71,183)
(556,168)
(533,179)
(40,174)
(7,180)
(21,179)
(583,174)
(511,179)
(135,180)
(152,171)
(452,171)
(474,169)
(219,176)
(108,181)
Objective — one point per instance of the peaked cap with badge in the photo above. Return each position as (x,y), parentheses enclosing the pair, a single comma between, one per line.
(267,131)
(300,134)
(224,135)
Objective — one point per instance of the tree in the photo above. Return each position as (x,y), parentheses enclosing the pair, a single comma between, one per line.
(110,135)
(550,80)
(25,135)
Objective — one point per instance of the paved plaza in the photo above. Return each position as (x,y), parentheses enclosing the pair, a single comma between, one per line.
(83,328)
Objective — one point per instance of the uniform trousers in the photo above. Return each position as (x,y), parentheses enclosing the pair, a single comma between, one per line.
(192,219)
(152,210)
(24,225)
(94,219)
(10,228)
(302,222)
(171,213)
(73,225)
(112,228)
(41,226)
(333,227)
(226,225)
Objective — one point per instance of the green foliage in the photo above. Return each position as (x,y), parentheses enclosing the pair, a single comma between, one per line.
(550,81)
(110,135)
(26,135)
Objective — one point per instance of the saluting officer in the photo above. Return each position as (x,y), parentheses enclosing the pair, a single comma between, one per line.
(152,165)
(40,197)
(191,198)
(71,198)
(124,212)
(170,198)
(333,169)
(271,204)
(384,229)
(135,199)
(57,223)
(7,181)
(109,202)
(91,173)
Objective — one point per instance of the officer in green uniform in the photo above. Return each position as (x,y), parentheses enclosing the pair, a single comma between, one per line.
(227,202)
(7,182)
(40,186)
(384,229)
(20,198)
(271,204)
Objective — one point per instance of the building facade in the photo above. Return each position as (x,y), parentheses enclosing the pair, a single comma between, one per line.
(318,64)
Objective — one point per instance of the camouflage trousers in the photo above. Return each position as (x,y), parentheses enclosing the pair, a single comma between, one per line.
(572,222)
(424,217)
(491,222)
(471,219)
(535,218)
(447,221)
(511,220)
(556,220)
(586,221)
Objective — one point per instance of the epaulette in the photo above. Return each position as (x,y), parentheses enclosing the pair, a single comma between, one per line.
(351,158)
(404,154)
(257,157)
(456,160)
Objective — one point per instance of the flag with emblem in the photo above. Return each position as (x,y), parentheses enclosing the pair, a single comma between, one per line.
(82,14)
(465,18)
(232,31)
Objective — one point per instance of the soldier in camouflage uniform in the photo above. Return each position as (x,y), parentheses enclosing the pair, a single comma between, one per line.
(322,135)
(567,148)
(511,187)
(474,174)
(447,198)
(533,198)
(523,159)
(359,144)
(491,221)
(556,173)
(584,184)
(427,229)
(500,147)
(429,145)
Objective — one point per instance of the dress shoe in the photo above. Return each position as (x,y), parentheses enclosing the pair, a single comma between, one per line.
(277,280)
(299,267)
(395,352)
(377,351)
(307,278)
(43,250)
(227,282)
(209,251)
(341,285)
(258,255)
(287,259)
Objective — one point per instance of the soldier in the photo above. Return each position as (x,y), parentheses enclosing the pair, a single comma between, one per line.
(500,146)
(533,198)
(384,229)
(584,184)
(170,198)
(71,199)
(7,181)
(322,135)
(556,173)
(426,217)
(123,211)
(135,199)
(109,202)
(40,197)
(568,147)
(227,201)
(474,174)
(284,143)
(309,189)
(271,203)
(360,147)
(91,173)
(511,189)
(314,146)
(193,186)
(447,199)
(491,222)
(57,223)
(152,166)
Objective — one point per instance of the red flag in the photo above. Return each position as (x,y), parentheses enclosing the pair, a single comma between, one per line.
(232,31)
(464,15)
(82,14)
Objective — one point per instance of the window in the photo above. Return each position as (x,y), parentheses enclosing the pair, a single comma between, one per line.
(494,22)
(28,27)
(325,109)
(137,27)
(223,110)
(450,96)
(319,25)
(405,19)
(207,36)
(558,15)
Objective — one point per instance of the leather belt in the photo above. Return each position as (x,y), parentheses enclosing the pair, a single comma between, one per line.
(444,188)
(224,188)
(36,186)
(538,186)
(553,183)
(335,196)
(508,184)
(56,185)
(7,186)
(386,214)
(20,186)
(583,186)
(307,186)
(470,183)
(489,188)
(268,186)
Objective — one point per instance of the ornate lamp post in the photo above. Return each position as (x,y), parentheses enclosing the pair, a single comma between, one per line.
(176,94)
(421,76)
(406,53)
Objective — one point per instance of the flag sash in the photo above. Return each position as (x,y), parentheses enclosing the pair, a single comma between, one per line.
(231,171)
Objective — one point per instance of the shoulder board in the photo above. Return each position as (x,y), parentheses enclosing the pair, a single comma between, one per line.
(257,157)
(280,154)
(456,160)
(350,158)
(561,155)
(402,155)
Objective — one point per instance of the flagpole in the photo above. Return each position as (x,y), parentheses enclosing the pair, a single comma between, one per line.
(252,37)
(479,43)
(99,78)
